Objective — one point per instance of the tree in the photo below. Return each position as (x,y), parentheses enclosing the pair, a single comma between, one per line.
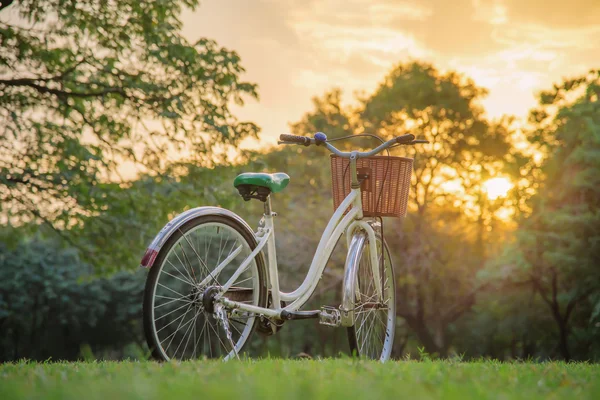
(328,115)
(52,306)
(437,252)
(116,238)
(88,86)
(556,253)
(559,243)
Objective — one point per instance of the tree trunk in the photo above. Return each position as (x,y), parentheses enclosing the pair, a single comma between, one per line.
(33,351)
(561,322)
(564,340)
(440,341)
(16,337)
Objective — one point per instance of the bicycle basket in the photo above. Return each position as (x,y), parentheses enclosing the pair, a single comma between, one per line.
(385,182)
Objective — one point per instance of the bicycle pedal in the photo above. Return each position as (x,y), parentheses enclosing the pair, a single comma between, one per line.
(330,316)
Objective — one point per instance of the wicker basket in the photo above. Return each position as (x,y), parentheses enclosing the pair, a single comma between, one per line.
(379,175)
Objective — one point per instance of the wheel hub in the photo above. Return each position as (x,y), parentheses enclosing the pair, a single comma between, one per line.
(208,298)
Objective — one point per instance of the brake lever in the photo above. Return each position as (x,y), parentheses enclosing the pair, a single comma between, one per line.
(411,143)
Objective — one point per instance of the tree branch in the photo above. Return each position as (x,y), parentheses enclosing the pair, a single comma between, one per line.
(540,290)
(574,302)
(462,305)
(28,82)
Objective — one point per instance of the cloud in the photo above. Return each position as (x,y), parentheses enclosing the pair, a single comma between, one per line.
(557,14)
(492,12)
(298,49)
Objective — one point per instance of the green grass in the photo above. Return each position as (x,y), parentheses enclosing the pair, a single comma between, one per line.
(291,379)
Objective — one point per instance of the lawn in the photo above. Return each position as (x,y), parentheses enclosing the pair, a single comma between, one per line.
(299,379)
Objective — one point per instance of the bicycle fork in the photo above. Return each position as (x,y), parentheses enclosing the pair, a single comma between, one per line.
(350,290)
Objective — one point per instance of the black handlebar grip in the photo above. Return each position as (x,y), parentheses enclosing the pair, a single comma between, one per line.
(295,139)
(405,138)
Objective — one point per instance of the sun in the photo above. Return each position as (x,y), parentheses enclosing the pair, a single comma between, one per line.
(497,187)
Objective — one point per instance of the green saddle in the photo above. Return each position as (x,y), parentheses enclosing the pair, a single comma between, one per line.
(260,185)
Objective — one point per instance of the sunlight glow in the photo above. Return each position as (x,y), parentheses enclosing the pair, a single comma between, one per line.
(497,187)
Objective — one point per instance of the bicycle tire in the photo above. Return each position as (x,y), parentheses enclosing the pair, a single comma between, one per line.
(359,343)
(257,269)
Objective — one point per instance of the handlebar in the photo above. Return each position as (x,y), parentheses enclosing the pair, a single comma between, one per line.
(320,138)
(296,139)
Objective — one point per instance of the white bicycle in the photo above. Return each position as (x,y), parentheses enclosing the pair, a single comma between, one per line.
(211,283)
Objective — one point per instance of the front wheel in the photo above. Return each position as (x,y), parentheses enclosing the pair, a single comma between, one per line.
(176,323)
(372,335)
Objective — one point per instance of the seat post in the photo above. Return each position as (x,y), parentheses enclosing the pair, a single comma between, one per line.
(268,206)
(272,255)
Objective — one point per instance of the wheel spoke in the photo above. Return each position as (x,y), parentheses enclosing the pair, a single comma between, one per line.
(185,257)
(234,327)
(221,248)
(172,301)
(189,329)
(172,336)
(171,312)
(190,272)
(199,337)
(170,323)
(178,278)
(217,335)
(168,288)
(372,336)
(237,283)
(190,280)
(158,296)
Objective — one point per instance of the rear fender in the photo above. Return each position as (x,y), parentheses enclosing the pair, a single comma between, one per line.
(177,222)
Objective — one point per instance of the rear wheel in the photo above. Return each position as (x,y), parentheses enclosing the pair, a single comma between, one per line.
(176,323)
(372,335)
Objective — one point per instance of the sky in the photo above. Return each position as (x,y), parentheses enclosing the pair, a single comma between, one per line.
(297,49)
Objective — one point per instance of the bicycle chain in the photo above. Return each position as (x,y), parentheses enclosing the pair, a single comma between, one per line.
(221,315)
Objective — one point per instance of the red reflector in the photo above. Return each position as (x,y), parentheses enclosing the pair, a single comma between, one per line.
(149,258)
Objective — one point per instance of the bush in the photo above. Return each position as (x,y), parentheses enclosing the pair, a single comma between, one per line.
(51,305)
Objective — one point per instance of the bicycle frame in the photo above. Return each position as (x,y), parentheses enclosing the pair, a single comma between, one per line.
(351,223)
(338,224)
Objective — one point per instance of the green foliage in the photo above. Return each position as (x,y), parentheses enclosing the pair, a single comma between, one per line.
(87,86)
(558,245)
(329,115)
(136,213)
(50,308)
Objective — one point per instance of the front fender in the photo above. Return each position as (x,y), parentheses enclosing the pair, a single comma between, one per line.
(349,284)
(176,223)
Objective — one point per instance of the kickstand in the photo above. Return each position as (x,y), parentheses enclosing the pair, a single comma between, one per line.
(221,314)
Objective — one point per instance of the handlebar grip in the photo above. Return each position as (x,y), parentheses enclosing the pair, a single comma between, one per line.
(409,137)
(295,139)
(417,141)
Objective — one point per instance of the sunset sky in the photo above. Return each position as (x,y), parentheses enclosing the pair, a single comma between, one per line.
(298,49)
